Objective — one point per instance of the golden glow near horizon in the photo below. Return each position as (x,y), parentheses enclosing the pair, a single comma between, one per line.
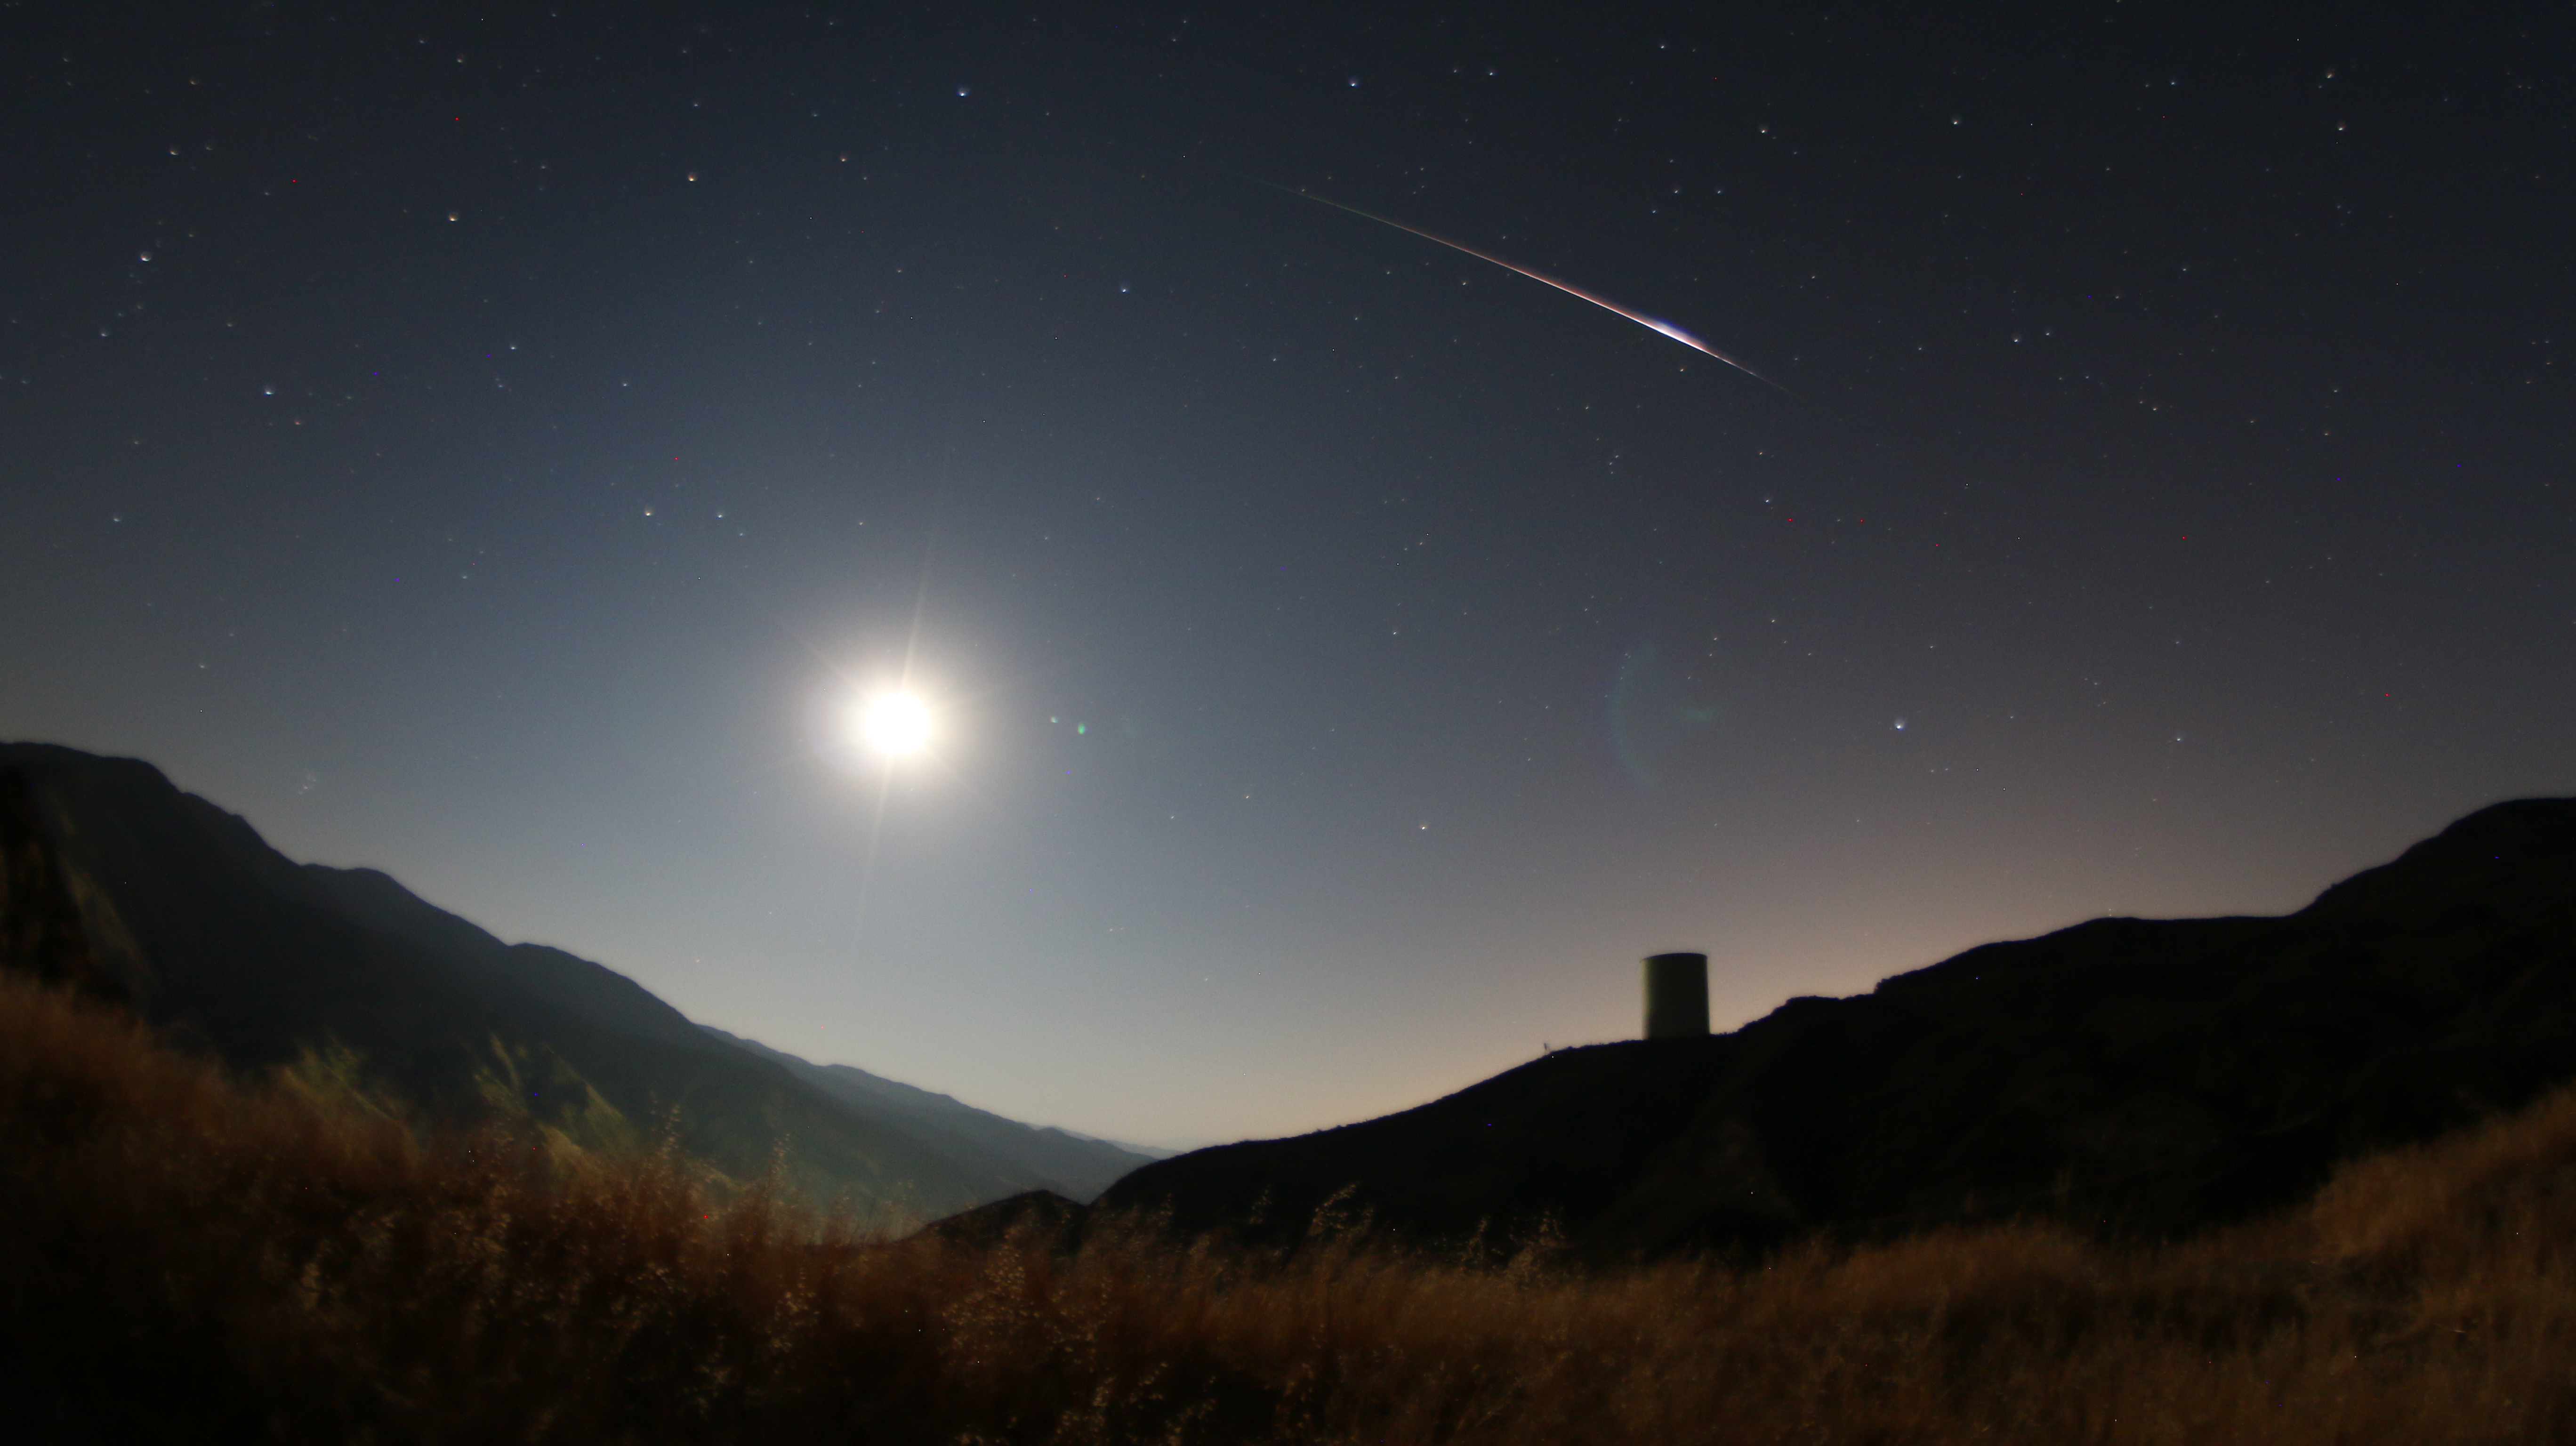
(894,725)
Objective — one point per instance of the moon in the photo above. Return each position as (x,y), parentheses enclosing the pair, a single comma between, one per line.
(894,725)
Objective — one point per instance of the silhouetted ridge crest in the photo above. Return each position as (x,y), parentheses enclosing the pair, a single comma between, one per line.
(2136,1076)
(2530,842)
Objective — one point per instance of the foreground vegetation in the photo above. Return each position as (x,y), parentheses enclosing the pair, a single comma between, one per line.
(184,1252)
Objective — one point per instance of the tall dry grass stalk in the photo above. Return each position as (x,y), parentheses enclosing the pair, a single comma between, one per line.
(185,1253)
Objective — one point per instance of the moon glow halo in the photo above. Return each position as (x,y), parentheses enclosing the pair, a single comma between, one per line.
(893,725)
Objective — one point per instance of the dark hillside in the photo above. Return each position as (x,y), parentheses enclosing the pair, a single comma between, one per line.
(265,962)
(1035,1157)
(42,934)
(2135,1075)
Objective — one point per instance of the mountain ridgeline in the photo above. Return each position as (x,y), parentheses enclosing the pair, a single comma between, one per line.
(345,978)
(2139,1077)
(2144,1078)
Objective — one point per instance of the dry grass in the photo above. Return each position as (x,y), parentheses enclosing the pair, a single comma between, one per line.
(217,1261)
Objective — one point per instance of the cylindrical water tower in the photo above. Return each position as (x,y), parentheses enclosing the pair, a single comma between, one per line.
(1676,996)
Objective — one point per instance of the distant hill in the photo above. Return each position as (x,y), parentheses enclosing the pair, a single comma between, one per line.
(344,975)
(2144,1077)
(1040,1157)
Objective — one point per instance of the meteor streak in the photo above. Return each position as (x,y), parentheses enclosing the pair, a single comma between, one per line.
(1648,322)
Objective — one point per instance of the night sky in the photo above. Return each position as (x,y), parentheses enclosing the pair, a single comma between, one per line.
(497,447)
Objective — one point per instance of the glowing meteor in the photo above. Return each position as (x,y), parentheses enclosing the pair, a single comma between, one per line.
(1648,322)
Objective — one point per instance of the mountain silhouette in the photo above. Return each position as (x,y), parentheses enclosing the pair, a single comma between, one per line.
(1059,1161)
(348,980)
(2140,1077)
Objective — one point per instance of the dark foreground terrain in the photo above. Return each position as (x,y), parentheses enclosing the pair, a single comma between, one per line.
(188,1257)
